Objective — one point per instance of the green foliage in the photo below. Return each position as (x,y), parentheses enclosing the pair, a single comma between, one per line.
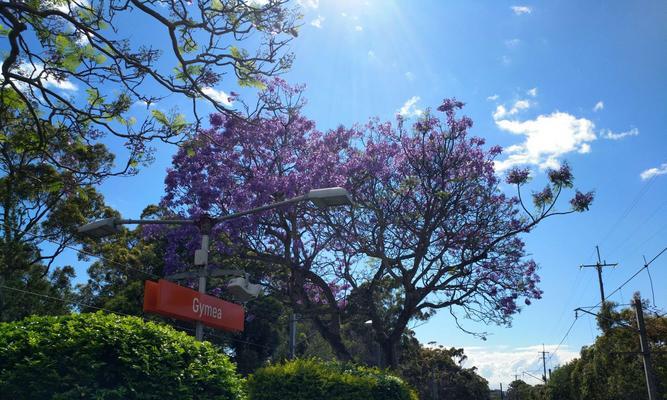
(41,203)
(437,373)
(106,356)
(261,335)
(612,367)
(520,390)
(312,379)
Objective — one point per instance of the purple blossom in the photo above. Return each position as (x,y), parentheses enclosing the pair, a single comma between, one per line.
(518,176)
(543,198)
(562,176)
(582,201)
(450,105)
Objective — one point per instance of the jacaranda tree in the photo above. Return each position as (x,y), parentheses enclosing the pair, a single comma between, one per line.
(431,228)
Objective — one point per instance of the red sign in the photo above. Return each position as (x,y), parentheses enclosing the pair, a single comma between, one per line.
(171,300)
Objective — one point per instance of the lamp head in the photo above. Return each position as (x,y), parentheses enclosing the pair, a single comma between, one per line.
(329,197)
(101,228)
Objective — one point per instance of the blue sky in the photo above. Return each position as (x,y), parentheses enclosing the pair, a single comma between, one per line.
(549,81)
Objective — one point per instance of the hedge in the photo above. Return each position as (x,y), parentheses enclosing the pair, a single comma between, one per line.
(313,379)
(106,356)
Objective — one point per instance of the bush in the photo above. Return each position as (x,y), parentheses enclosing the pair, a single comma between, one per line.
(317,380)
(106,356)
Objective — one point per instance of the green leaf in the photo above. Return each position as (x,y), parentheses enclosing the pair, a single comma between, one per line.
(71,62)
(252,83)
(12,99)
(160,117)
(94,97)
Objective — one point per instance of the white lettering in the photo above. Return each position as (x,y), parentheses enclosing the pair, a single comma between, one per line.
(206,309)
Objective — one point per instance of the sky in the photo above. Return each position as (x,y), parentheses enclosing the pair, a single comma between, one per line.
(582,82)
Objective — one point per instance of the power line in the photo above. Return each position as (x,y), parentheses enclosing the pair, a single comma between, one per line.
(104,259)
(564,337)
(646,265)
(81,251)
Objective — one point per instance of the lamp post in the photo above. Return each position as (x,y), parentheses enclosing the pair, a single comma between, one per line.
(322,198)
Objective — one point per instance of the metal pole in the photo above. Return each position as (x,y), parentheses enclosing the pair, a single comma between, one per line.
(599,268)
(646,351)
(544,363)
(501,392)
(292,336)
(199,327)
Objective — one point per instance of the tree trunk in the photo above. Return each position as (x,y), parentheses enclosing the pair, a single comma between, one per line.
(390,353)
(334,339)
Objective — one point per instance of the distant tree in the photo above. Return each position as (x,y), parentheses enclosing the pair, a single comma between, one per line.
(46,190)
(121,266)
(437,372)
(612,367)
(55,47)
(430,228)
(520,390)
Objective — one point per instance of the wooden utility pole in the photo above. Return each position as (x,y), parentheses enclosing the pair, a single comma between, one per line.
(598,266)
(501,392)
(544,363)
(645,349)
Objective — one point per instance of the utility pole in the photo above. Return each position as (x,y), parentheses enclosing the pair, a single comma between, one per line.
(201,258)
(501,392)
(544,363)
(645,349)
(598,266)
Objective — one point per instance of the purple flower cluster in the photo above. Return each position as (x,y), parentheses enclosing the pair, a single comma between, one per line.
(543,198)
(518,176)
(561,177)
(582,201)
(432,187)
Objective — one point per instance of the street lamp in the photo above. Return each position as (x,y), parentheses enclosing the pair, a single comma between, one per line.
(322,198)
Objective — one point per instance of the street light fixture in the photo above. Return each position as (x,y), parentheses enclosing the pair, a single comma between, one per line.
(242,289)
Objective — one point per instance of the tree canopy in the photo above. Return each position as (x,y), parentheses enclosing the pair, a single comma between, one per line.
(430,225)
(60,49)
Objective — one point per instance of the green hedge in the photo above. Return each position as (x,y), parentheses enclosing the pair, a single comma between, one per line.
(106,356)
(317,380)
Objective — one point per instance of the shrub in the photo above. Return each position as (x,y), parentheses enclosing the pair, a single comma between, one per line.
(318,380)
(106,356)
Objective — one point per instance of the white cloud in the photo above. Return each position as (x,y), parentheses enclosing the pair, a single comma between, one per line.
(371,54)
(493,98)
(317,22)
(512,43)
(141,103)
(585,148)
(547,138)
(599,106)
(652,172)
(499,364)
(218,96)
(36,70)
(309,3)
(520,10)
(532,92)
(607,134)
(409,108)
(502,112)
(409,76)
(344,15)
(506,60)
(358,28)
